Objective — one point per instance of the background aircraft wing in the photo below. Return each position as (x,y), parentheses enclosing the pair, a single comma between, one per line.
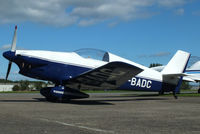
(109,76)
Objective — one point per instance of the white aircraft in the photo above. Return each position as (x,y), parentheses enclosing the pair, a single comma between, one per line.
(94,69)
(194,68)
(192,72)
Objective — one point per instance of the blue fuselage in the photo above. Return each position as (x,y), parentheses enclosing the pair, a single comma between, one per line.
(57,72)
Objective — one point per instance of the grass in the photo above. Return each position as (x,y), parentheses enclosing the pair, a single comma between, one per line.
(184,95)
(20,92)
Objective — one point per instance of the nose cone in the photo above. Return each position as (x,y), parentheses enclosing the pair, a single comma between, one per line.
(9,55)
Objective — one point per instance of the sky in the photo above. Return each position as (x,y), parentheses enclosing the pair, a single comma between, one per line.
(144,31)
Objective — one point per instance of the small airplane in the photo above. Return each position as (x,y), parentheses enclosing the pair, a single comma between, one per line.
(193,68)
(192,72)
(93,69)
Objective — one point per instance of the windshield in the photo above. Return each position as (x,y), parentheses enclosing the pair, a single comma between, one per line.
(93,54)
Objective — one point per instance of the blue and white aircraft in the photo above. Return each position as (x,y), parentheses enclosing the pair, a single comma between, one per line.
(93,69)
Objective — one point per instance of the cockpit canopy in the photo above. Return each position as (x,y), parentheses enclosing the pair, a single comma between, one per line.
(93,54)
(100,55)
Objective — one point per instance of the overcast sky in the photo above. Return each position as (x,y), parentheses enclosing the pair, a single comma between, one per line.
(144,31)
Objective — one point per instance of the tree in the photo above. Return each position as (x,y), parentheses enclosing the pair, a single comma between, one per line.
(155,65)
(24,85)
(16,88)
(185,85)
(38,85)
(5,81)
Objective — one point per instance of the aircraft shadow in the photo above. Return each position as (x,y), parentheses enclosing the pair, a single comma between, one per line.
(135,99)
(129,96)
(89,102)
(79,102)
(104,100)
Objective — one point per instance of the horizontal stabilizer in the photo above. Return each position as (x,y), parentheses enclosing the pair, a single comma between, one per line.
(188,79)
(109,76)
(175,75)
(194,77)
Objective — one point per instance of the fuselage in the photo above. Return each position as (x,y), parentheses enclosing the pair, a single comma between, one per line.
(59,66)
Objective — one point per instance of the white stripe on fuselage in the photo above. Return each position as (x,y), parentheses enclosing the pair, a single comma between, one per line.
(71,58)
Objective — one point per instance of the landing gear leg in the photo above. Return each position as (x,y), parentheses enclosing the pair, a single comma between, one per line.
(174,94)
(161,92)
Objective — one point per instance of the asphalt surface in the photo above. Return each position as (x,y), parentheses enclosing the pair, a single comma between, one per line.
(101,114)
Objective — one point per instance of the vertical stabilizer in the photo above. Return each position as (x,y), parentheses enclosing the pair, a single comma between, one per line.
(173,72)
(177,64)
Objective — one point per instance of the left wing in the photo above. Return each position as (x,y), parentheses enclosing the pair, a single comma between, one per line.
(109,76)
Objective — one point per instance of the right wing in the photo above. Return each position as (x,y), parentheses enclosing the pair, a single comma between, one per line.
(109,76)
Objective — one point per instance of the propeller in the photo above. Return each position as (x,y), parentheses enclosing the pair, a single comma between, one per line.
(13,48)
(8,71)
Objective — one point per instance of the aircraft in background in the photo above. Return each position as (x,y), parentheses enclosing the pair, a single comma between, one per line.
(94,69)
(192,72)
(194,68)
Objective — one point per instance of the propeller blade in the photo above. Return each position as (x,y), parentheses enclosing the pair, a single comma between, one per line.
(8,71)
(13,46)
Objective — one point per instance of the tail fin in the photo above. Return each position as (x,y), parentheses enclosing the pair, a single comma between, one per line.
(174,71)
(177,64)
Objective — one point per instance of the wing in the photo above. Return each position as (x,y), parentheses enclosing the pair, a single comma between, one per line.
(109,76)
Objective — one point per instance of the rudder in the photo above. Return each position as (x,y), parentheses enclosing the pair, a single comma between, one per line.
(177,64)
